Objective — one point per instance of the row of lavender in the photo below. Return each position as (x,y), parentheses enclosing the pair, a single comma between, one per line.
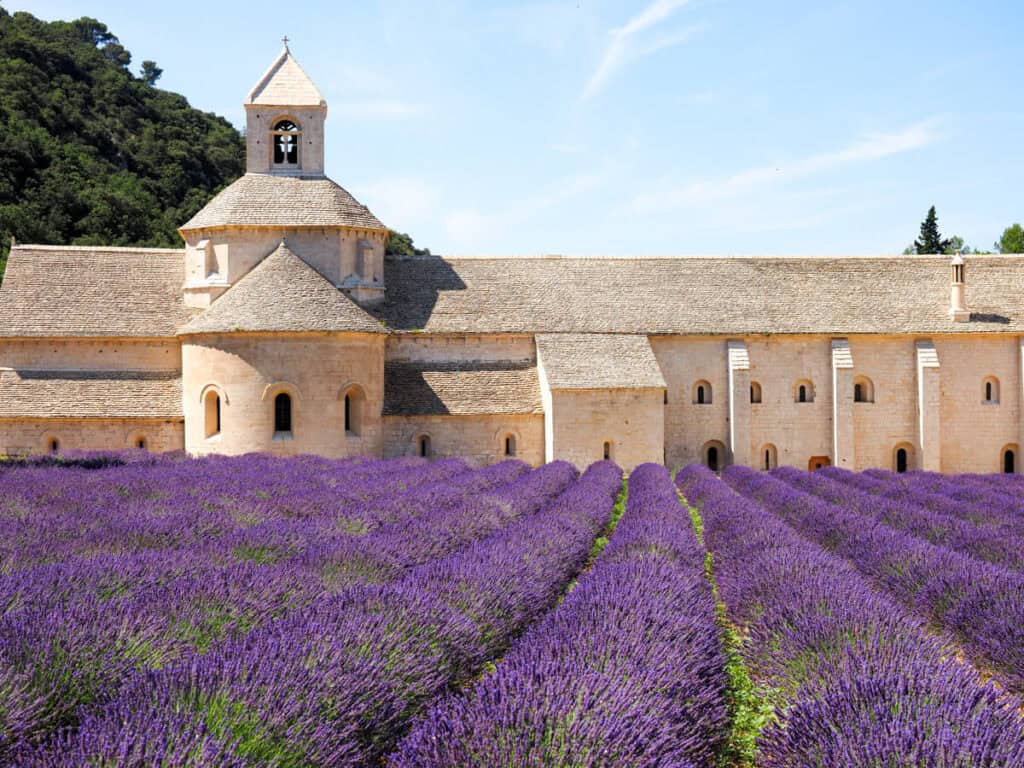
(73,633)
(333,683)
(854,679)
(980,603)
(627,671)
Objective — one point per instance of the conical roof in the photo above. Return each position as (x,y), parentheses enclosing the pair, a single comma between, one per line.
(264,200)
(285,84)
(282,294)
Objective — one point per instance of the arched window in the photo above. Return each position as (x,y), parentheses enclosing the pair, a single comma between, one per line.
(702,393)
(510,445)
(283,413)
(353,405)
(212,413)
(804,391)
(903,458)
(712,458)
(990,390)
(140,443)
(53,445)
(285,139)
(1009,461)
(423,446)
(863,390)
(607,450)
(755,392)
(769,457)
(714,455)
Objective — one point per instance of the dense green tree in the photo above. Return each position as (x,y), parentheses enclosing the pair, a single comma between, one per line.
(930,241)
(400,244)
(150,72)
(1012,240)
(91,154)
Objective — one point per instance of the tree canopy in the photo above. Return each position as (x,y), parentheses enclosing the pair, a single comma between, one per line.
(91,154)
(400,244)
(1012,240)
(930,241)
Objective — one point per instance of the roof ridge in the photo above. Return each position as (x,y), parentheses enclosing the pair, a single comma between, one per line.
(94,248)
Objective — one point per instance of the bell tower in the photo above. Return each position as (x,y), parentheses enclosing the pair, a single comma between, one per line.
(285,116)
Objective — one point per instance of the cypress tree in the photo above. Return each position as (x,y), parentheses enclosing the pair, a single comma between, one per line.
(930,241)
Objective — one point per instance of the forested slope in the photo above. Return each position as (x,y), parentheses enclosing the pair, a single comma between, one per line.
(92,153)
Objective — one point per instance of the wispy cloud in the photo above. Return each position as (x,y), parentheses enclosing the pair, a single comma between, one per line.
(622,45)
(669,194)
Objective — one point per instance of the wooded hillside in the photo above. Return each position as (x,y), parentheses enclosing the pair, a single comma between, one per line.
(93,154)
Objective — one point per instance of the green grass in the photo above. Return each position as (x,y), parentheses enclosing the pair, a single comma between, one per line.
(750,708)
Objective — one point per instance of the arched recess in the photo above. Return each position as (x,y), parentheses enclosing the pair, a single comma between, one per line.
(768,456)
(423,445)
(990,390)
(353,405)
(139,441)
(903,459)
(863,390)
(213,398)
(51,443)
(755,392)
(702,392)
(803,391)
(714,456)
(1009,459)
(507,442)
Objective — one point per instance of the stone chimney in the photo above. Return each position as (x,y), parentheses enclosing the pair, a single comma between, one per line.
(958,290)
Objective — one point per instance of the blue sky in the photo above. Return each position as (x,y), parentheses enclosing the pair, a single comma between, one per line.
(648,127)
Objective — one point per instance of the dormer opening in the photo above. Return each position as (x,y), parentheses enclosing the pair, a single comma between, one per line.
(285,139)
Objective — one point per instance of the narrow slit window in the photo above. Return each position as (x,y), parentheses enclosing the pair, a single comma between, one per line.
(607,450)
(424,446)
(510,445)
(283,413)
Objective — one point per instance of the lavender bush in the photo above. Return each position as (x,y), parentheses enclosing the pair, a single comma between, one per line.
(627,671)
(855,680)
(334,683)
(981,604)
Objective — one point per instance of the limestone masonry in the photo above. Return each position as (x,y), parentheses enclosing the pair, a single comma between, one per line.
(282,327)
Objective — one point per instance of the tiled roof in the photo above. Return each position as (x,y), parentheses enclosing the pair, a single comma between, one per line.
(460,388)
(598,361)
(265,200)
(90,292)
(695,295)
(90,394)
(285,84)
(283,293)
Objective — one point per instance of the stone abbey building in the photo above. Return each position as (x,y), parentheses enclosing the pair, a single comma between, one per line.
(281,326)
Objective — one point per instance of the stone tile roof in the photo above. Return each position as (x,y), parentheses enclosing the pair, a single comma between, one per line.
(265,200)
(75,291)
(598,361)
(460,388)
(90,394)
(283,293)
(697,295)
(285,84)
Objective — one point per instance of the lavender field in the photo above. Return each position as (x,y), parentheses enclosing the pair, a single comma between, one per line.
(166,611)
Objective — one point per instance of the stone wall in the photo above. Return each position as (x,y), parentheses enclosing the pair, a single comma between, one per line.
(478,439)
(250,370)
(27,436)
(582,421)
(91,355)
(962,432)
(236,250)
